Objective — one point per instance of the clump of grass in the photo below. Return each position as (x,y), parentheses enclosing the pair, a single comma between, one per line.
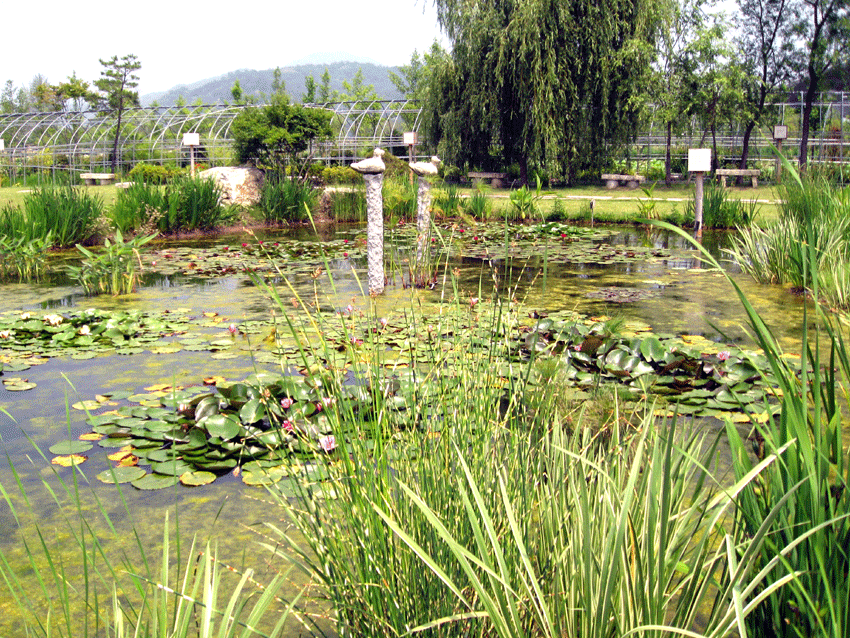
(69,215)
(815,223)
(184,204)
(283,198)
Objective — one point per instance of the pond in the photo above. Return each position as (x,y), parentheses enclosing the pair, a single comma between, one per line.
(198,289)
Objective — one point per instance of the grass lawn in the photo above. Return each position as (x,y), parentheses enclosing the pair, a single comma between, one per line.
(622,204)
(617,205)
(14,195)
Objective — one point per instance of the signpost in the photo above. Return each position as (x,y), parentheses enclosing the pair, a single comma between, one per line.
(699,163)
(191,140)
(780,132)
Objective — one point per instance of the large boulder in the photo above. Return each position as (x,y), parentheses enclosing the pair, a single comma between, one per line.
(239,184)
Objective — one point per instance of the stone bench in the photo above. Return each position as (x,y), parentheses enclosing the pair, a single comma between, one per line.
(496,179)
(613,181)
(98,178)
(723,173)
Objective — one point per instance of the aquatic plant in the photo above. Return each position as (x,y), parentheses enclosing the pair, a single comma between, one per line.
(114,271)
(283,198)
(815,224)
(24,259)
(69,215)
(525,203)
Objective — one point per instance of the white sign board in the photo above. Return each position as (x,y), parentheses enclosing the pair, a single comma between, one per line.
(699,160)
(2,144)
(411,139)
(191,139)
(780,132)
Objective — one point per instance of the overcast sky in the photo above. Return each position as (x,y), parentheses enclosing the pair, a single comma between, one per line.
(180,42)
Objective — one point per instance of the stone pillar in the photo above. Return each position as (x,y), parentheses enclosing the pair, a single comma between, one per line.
(372,170)
(375,231)
(423,219)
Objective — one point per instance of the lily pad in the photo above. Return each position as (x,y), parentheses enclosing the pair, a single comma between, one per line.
(70,447)
(121,474)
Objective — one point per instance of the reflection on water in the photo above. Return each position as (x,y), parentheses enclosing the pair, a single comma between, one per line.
(686,299)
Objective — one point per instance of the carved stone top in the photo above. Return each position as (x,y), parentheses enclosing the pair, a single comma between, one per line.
(426,169)
(371,165)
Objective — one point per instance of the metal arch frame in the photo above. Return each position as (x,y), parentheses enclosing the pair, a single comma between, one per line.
(83,136)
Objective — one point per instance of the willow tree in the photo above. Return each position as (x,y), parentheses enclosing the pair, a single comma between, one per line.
(546,82)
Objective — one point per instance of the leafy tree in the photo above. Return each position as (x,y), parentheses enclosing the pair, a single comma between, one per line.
(74,90)
(716,82)
(278,85)
(273,134)
(325,93)
(664,94)
(7,98)
(824,26)
(543,81)
(767,52)
(310,86)
(414,80)
(116,83)
(237,93)
(358,92)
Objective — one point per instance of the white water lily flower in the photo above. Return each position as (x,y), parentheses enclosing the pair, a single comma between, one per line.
(84,330)
(26,315)
(5,334)
(53,320)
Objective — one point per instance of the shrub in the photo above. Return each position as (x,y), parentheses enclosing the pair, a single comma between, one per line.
(447,201)
(719,211)
(193,204)
(155,173)
(141,203)
(282,199)
(341,175)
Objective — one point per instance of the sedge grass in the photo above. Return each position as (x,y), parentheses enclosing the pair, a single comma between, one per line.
(472,515)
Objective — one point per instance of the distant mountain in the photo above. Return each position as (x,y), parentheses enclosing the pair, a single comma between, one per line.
(217,90)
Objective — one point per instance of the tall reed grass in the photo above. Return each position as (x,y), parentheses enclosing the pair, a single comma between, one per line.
(283,198)
(67,214)
(815,223)
(800,502)
(183,204)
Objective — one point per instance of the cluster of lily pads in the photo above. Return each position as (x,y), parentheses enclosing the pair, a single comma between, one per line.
(266,427)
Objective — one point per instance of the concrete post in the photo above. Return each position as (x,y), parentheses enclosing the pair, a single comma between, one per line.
(372,170)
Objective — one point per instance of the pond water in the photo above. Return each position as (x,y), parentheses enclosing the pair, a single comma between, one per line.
(652,278)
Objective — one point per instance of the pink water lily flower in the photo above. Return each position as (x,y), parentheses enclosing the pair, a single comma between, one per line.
(723,355)
(327,443)
(287,425)
(233,328)
(286,403)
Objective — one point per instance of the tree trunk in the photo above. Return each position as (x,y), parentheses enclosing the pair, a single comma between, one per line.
(668,177)
(745,152)
(806,122)
(115,142)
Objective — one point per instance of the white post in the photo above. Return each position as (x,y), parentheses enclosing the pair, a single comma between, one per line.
(191,140)
(699,163)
